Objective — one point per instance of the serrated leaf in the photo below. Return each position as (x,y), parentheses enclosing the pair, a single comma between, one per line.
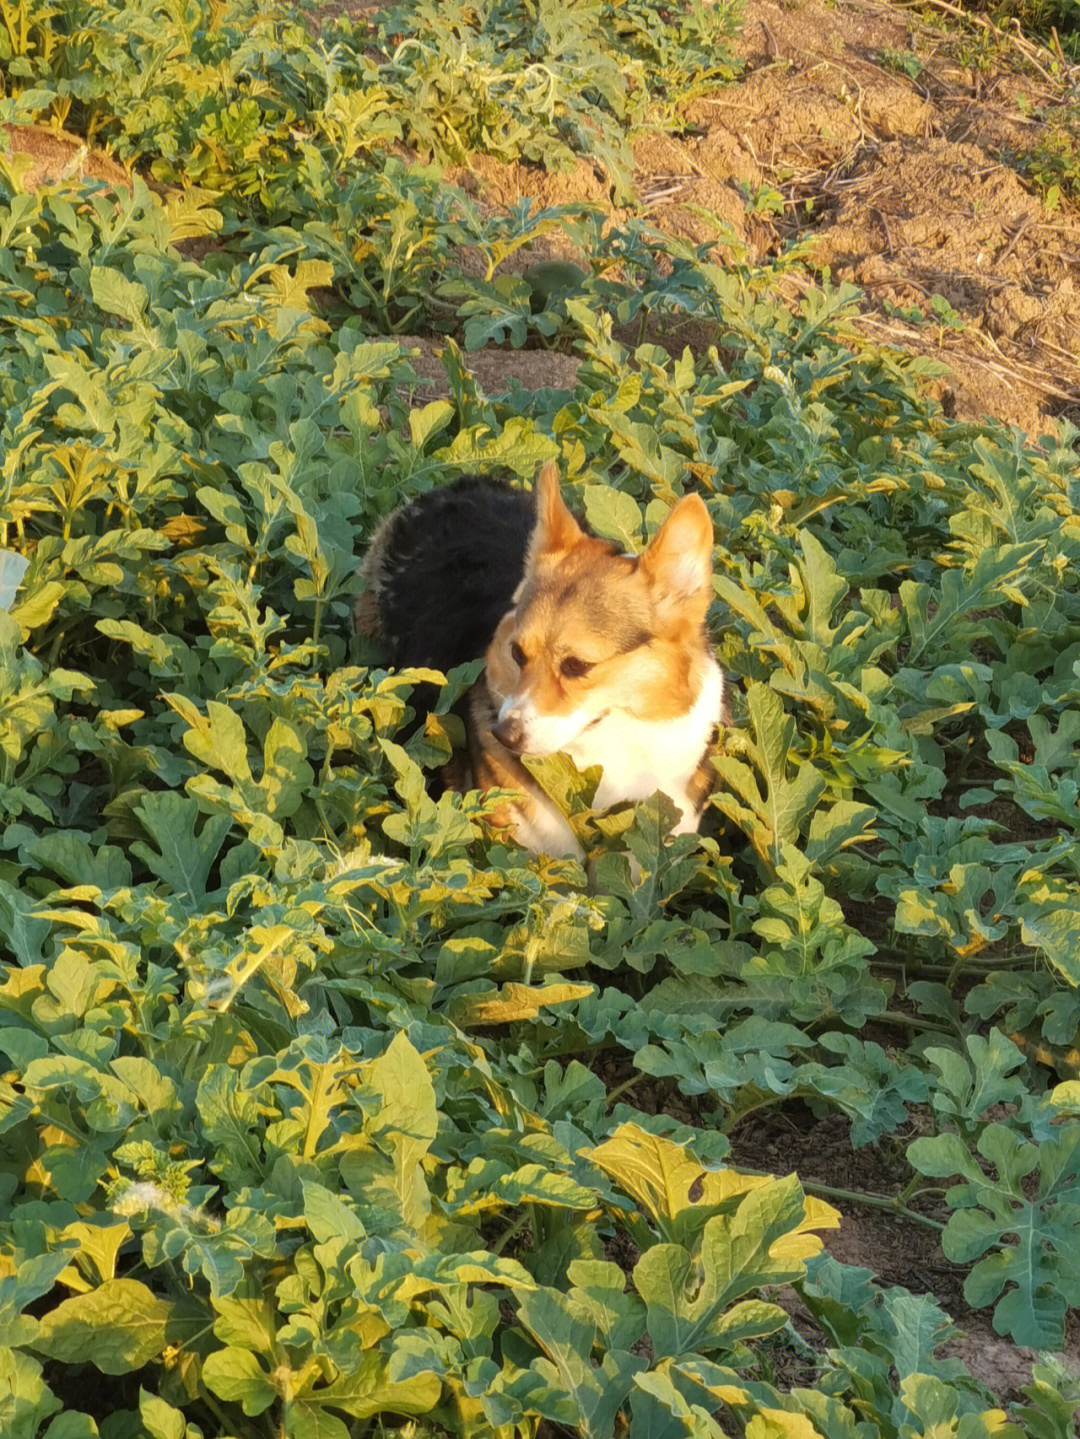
(758,796)
(182,859)
(514,1002)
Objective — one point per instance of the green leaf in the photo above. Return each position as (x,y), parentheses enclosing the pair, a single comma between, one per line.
(519,447)
(919,1327)
(615,515)
(1054,1393)
(681,1194)
(933,620)
(935,1405)
(117,295)
(1036,1242)
(182,859)
(832,830)
(119,1327)
(966,1092)
(871,1086)
(160,1420)
(75,860)
(589,1397)
(33,1279)
(405,1125)
(599,1288)
(216,739)
(692,1307)
(1055,930)
(756,793)
(301,1419)
(229,1113)
(502,310)
(808,947)
(328,1216)
(236,1376)
(369,1391)
(12,569)
(24,934)
(25,1399)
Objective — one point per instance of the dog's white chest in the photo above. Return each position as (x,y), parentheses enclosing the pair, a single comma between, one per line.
(641,756)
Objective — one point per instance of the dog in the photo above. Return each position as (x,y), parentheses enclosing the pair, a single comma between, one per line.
(591,653)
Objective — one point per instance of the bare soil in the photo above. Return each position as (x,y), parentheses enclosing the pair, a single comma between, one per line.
(907,187)
(897,1250)
(914,195)
(40,156)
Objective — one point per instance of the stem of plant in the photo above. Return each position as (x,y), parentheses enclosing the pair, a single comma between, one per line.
(912,1021)
(851,1196)
(621,1089)
(514,1230)
(217,1411)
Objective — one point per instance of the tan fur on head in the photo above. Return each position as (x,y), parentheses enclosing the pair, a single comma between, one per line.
(598,630)
(601,656)
(556,529)
(679,560)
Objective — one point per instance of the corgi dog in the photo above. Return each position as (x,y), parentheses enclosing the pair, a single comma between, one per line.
(588,652)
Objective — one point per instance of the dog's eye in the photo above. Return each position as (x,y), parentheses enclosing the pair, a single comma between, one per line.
(573,668)
(518,655)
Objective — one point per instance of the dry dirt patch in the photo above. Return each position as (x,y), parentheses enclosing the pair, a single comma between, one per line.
(911,196)
(902,184)
(898,1251)
(41,156)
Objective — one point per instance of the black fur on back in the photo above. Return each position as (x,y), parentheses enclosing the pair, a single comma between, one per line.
(444,569)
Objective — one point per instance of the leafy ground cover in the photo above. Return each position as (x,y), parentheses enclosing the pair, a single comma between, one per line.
(322,1114)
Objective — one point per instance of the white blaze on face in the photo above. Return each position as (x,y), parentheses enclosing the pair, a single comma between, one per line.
(543,734)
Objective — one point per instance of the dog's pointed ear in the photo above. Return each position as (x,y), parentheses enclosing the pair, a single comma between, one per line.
(678,560)
(556,529)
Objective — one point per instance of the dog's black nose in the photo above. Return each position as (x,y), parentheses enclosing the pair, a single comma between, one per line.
(510,733)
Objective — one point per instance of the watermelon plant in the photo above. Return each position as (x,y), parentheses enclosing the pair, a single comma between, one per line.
(325,1113)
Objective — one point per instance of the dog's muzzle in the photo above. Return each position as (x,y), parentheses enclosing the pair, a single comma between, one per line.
(510,733)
